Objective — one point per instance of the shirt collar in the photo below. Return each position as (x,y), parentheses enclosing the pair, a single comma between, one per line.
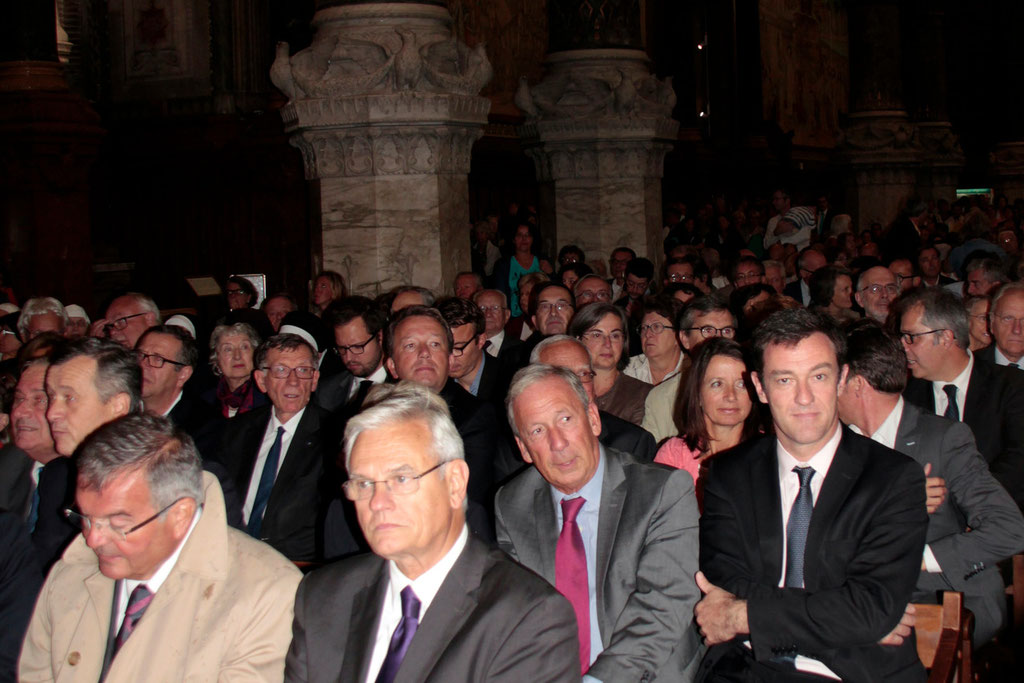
(174,403)
(427,584)
(290,425)
(379,375)
(1001,358)
(961,381)
(886,432)
(474,388)
(154,582)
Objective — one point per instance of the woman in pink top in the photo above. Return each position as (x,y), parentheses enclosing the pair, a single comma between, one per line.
(714,409)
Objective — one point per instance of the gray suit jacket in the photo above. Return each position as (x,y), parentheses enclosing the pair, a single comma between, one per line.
(976,501)
(491,621)
(646,562)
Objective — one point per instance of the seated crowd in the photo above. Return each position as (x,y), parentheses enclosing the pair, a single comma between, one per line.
(744,463)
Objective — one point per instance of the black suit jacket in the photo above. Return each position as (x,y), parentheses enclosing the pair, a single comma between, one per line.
(994,410)
(493,382)
(861,562)
(293,520)
(491,620)
(20,581)
(53,531)
(477,424)
(627,437)
(200,420)
(793,291)
(15,481)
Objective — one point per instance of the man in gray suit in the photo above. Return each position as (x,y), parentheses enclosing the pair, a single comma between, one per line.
(973,527)
(626,555)
(432,603)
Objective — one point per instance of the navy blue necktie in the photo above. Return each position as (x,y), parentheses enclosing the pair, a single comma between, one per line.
(796,529)
(402,636)
(952,410)
(265,486)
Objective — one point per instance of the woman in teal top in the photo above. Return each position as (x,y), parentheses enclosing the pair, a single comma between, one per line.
(508,271)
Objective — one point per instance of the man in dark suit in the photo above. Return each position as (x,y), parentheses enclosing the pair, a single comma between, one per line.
(626,553)
(494,305)
(551,308)
(929,263)
(811,540)
(903,239)
(432,603)
(973,528)
(475,371)
(167,357)
(419,345)
(988,398)
(808,261)
(1006,321)
(280,457)
(357,324)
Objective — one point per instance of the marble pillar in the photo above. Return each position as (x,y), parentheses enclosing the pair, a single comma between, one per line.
(384,108)
(879,142)
(598,126)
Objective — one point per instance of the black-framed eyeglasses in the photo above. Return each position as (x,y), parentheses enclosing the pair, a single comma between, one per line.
(909,338)
(121,323)
(284,372)
(653,328)
(155,360)
(354,349)
(680,277)
(459,349)
(85,523)
(399,483)
(708,331)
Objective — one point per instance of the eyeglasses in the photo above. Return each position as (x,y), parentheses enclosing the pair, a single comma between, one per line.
(155,360)
(86,523)
(743,277)
(680,277)
(653,328)
(908,338)
(708,331)
(900,279)
(120,323)
(877,289)
(284,372)
(232,292)
(492,309)
(354,349)
(1007,320)
(399,483)
(560,306)
(598,336)
(594,295)
(459,349)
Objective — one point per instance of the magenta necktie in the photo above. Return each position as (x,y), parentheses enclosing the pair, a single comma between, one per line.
(402,636)
(571,573)
(138,601)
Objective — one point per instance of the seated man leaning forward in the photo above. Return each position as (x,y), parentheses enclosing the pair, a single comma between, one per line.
(158,587)
(432,602)
(617,537)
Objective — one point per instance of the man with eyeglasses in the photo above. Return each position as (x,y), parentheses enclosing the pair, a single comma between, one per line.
(876,289)
(167,357)
(432,601)
(127,317)
(278,455)
(949,380)
(698,321)
(616,536)
(903,270)
(476,372)
(1006,322)
(494,305)
(592,288)
(419,347)
(358,325)
(157,587)
(551,308)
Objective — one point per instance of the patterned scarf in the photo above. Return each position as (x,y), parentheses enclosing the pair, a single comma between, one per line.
(241,399)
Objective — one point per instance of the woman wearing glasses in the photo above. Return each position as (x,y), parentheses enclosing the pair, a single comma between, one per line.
(602,329)
(662,357)
(714,409)
(231,357)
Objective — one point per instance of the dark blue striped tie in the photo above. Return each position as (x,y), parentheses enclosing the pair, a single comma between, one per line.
(796,529)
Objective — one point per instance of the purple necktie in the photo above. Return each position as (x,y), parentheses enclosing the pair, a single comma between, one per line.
(138,601)
(571,573)
(402,636)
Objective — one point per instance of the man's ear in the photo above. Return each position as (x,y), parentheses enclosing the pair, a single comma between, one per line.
(756,379)
(120,404)
(522,451)
(389,363)
(844,374)
(184,374)
(456,474)
(261,380)
(857,298)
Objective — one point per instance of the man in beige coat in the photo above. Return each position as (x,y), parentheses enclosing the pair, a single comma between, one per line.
(158,588)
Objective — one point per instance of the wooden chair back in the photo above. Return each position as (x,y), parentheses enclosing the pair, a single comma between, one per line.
(944,640)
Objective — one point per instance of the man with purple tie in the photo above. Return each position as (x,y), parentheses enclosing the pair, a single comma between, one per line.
(483,616)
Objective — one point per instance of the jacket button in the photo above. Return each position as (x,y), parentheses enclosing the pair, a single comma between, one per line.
(74,658)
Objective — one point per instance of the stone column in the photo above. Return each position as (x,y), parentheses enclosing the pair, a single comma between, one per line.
(597,128)
(49,137)
(1007,158)
(384,108)
(878,141)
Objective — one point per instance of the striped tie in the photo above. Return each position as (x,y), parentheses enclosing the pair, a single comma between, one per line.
(137,604)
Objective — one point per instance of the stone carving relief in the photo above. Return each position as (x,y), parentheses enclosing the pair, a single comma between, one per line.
(383,60)
(939,143)
(565,161)
(1008,158)
(608,92)
(879,135)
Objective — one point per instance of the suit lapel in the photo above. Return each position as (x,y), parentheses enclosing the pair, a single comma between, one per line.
(764,477)
(545,533)
(296,459)
(613,495)
(977,387)
(362,631)
(908,441)
(844,471)
(454,602)
(252,439)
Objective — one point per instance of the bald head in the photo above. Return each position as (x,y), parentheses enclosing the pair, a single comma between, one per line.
(571,354)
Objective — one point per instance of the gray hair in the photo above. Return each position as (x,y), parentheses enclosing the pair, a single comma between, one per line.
(537,372)
(143,443)
(771,263)
(504,299)
(551,341)
(1008,288)
(941,310)
(406,401)
(40,306)
(244,329)
(146,304)
(117,368)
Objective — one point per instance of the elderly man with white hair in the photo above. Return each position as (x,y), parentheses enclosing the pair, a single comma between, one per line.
(42,314)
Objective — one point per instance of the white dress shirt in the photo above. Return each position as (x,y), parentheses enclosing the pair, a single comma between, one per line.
(1001,358)
(425,586)
(961,381)
(496,341)
(639,367)
(268,440)
(124,588)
